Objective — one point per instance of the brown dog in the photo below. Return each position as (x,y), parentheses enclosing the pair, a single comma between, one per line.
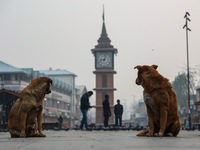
(161,103)
(25,118)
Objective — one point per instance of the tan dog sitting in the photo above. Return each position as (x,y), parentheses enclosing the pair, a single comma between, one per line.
(161,103)
(25,117)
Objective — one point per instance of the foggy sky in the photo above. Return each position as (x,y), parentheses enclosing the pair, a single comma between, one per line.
(61,33)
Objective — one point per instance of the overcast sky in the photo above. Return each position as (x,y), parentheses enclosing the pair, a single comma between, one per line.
(61,33)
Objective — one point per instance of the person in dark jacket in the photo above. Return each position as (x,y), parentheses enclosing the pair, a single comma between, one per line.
(60,121)
(106,110)
(118,110)
(85,105)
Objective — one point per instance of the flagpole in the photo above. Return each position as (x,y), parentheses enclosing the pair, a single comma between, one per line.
(103,14)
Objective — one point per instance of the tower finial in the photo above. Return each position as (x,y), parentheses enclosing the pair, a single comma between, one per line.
(103,14)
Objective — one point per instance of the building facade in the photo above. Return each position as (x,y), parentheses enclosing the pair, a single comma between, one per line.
(196,109)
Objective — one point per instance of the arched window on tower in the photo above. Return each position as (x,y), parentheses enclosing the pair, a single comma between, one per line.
(104,81)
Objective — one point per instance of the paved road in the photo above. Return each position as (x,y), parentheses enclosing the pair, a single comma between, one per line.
(101,140)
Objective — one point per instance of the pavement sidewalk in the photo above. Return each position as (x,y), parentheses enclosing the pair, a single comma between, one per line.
(100,140)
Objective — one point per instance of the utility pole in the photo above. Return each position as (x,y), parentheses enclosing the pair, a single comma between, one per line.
(188,72)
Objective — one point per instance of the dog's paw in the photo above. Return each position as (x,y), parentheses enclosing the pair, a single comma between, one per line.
(170,134)
(149,134)
(42,134)
(22,135)
(158,134)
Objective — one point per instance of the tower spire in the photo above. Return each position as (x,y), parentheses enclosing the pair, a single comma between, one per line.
(103,32)
(104,40)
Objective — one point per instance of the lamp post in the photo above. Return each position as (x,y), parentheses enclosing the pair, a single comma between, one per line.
(68,108)
(188,73)
(57,106)
(45,105)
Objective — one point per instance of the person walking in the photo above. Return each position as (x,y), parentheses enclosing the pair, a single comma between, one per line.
(85,105)
(60,122)
(106,110)
(118,110)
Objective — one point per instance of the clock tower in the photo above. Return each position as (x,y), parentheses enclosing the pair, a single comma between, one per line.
(104,72)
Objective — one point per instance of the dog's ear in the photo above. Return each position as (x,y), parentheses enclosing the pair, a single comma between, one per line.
(138,67)
(154,66)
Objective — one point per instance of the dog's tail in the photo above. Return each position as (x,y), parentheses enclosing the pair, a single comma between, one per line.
(143,132)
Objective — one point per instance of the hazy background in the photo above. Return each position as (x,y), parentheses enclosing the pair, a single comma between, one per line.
(61,33)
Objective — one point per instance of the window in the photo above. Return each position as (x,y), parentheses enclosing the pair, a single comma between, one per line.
(16,76)
(5,77)
(104,81)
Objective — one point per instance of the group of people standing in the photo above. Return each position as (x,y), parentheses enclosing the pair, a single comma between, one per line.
(85,105)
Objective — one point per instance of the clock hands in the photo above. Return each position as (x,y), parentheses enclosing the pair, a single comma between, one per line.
(103,59)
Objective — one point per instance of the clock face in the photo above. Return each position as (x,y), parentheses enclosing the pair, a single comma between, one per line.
(104,60)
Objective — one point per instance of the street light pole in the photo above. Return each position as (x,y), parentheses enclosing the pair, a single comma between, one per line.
(45,103)
(188,72)
(57,107)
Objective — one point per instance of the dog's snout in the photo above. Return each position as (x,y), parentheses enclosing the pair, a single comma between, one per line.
(137,81)
(49,91)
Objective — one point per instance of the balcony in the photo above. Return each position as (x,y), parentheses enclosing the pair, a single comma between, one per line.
(13,85)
